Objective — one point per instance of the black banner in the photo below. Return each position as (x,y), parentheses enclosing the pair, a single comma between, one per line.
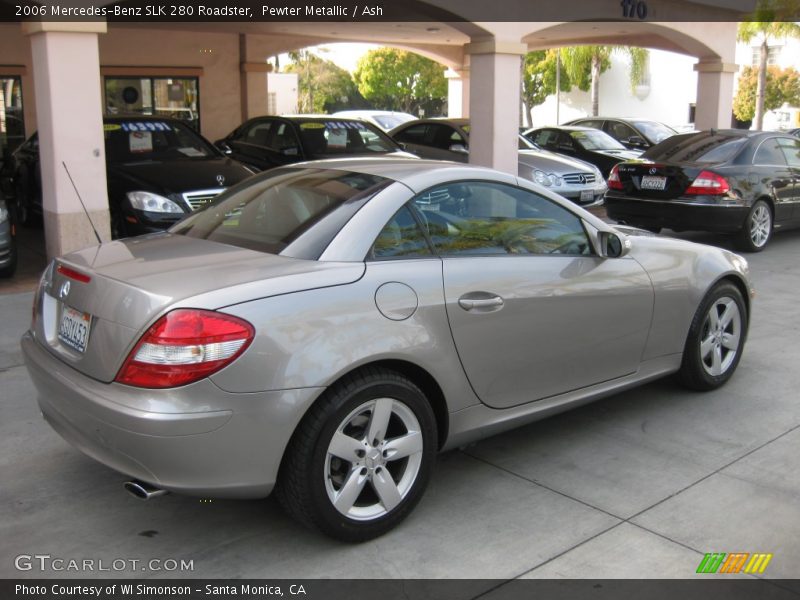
(399,589)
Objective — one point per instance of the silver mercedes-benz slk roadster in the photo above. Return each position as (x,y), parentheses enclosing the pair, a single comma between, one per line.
(323,330)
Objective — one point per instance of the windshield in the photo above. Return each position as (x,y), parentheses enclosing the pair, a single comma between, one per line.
(654,131)
(335,138)
(702,148)
(152,140)
(594,139)
(271,211)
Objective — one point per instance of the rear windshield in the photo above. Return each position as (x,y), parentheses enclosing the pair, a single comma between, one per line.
(699,148)
(153,140)
(279,208)
(332,138)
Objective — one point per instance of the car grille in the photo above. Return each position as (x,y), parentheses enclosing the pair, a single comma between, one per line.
(579,178)
(199,198)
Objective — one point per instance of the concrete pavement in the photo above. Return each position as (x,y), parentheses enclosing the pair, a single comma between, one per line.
(639,485)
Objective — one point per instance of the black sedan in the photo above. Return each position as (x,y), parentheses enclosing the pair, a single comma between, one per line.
(158,171)
(636,134)
(266,142)
(584,143)
(727,180)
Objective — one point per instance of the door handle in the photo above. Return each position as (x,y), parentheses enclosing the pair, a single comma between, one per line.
(484,304)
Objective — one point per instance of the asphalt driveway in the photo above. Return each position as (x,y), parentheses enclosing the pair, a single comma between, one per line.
(639,485)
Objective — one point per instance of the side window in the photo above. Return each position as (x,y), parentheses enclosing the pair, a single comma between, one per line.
(415,134)
(597,124)
(769,153)
(442,137)
(565,141)
(284,139)
(620,131)
(401,237)
(481,218)
(791,150)
(257,133)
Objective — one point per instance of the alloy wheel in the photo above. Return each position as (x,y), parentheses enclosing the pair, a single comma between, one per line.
(760,225)
(721,332)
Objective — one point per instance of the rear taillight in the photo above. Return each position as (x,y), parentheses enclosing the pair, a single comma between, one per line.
(73,274)
(614,181)
(184,346)
(708,184)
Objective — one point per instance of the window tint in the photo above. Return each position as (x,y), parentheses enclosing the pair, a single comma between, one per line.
(401,238)
(593,139)
(284,139)
(482,218)
(791,150)
(595,123)
(655,131)
(620,131)
(145,140)
(701,148)
(257,133)
(769,153)
(546,138)
(326,139)
(273,210)
(415,134)
(444,136)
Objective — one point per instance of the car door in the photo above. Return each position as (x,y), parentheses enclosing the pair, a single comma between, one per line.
(412,138)
(446,143)
(534,312)
(791,151)
(249,144)
(771,171)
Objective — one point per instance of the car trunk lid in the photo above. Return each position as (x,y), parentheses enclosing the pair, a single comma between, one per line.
(95,304)
(656,181)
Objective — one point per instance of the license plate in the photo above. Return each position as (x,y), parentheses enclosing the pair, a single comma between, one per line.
(587,195)
(73,329)
(653,182)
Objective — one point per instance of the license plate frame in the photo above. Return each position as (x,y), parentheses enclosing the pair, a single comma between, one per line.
(656,183)
(587,195)
(74,327)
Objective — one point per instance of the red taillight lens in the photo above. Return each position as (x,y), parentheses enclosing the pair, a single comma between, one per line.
(708,184)
(184,346)
(73,274)
(614,181)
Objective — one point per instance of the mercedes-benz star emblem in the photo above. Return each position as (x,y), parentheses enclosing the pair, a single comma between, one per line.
(221,179)
(63,292)
(653,171)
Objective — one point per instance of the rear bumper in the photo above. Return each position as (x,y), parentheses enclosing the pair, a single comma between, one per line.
(230,446)
(675,215)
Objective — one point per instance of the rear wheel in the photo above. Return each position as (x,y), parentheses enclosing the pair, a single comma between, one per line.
(716,339)
(757,229)
(360,460)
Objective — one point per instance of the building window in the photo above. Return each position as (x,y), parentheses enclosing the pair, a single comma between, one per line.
(12,122)
(772,55)
(178,98)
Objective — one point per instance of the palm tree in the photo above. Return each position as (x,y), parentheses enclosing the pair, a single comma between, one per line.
(765,30)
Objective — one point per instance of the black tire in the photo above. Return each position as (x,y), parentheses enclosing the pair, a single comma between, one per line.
(696,373)
(310,474)
(756,231)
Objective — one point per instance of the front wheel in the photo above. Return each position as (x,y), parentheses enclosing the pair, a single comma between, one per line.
(361,459)
(757,229)
(716,339)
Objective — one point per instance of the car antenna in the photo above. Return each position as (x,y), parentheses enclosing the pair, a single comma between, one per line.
(77,193)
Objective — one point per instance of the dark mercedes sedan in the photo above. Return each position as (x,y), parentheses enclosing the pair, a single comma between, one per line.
(266,142)
(159,170)
(636,134)
(584,143)
(728,180)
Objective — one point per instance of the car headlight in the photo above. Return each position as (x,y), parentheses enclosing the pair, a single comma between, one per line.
(151,202)
(546,179)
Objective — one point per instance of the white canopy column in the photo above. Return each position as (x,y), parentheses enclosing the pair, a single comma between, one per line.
(457,93)
(714,94)
(66,75)
(494,103)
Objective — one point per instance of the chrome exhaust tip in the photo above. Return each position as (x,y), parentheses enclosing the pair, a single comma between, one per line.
(142,490)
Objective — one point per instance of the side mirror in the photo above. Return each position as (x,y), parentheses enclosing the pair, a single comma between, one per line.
(460,148)
(636,141)
(223,145)
(402,146)
(612,245)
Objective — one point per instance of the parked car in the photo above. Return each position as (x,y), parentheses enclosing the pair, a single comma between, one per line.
(267,142)
(448,139)
(736,181)
(322,330)
(635,134)
(8,242)
(584,143)
(385,119)
(158,171)
(794,132)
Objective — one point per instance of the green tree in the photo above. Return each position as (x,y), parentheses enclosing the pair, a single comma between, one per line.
(584,64)
(539,80)
(765,28)
(399,80)
(782,85)
(322,86)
